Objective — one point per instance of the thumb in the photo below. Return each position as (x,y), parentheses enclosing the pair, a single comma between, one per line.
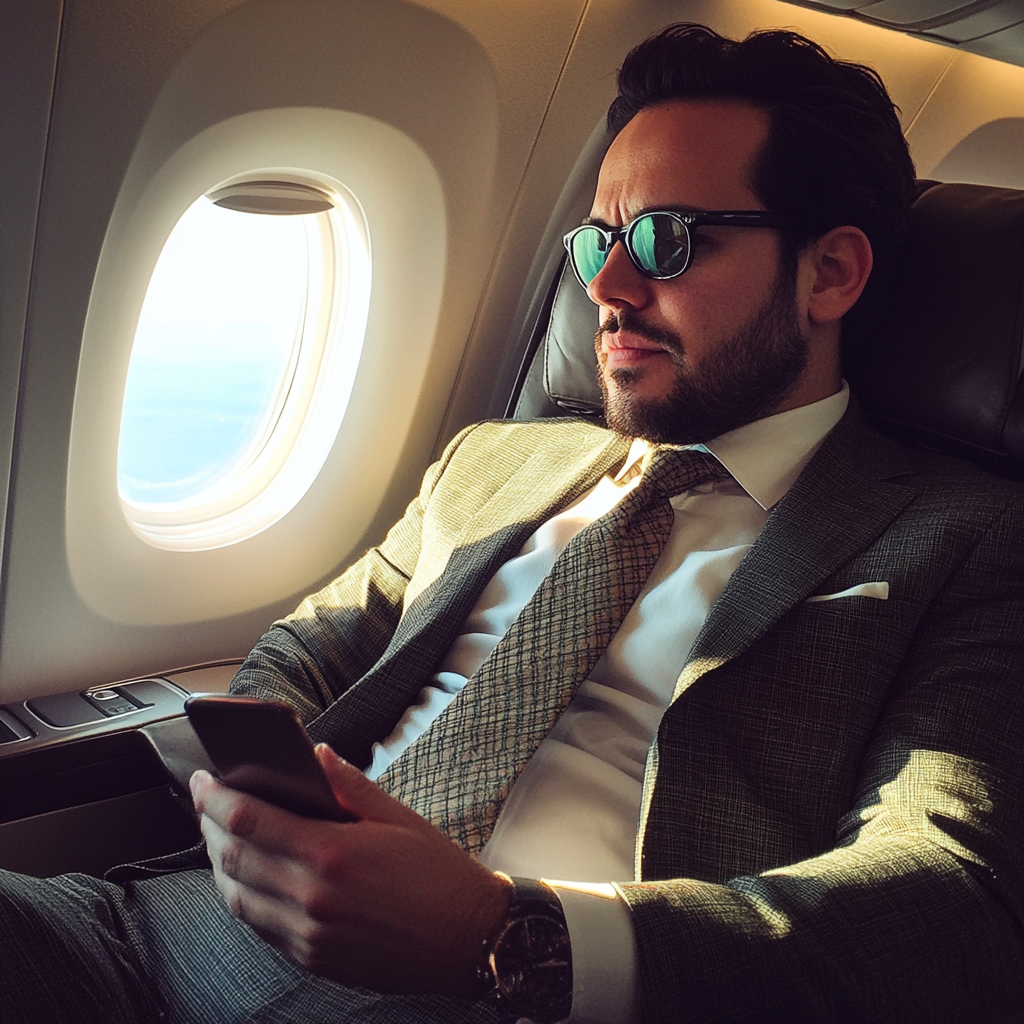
(358,795)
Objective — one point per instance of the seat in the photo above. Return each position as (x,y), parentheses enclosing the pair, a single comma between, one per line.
(944,370)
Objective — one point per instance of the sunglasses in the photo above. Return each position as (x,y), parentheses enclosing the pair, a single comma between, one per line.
(659,243)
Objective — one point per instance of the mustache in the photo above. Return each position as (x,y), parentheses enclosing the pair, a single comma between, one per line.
(632,324)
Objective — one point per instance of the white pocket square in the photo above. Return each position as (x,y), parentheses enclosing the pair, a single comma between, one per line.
(877,590)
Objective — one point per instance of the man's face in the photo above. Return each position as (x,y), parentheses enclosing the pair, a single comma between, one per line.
(687,359)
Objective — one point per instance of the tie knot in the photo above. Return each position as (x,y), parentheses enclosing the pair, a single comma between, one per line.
(670,471)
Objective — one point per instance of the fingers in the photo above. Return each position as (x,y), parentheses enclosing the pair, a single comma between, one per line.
(270,827)
(254,843)
(238,860)
(363,798)
(217,801)
(387,901)
(273,893)
(273,827)
(276,920)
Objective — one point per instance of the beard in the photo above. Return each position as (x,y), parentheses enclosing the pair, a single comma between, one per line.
(743,379)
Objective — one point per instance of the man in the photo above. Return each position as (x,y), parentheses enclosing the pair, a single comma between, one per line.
(802,676)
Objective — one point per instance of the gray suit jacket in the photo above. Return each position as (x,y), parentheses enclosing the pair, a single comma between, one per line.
(833,816)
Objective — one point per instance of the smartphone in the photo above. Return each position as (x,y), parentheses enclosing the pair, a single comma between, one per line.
(260,747)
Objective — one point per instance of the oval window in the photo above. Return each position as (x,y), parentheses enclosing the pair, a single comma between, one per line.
(243,361)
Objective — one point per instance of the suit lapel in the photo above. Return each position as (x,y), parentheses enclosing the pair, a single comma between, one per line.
(839,504)
(567,463)
(552,478)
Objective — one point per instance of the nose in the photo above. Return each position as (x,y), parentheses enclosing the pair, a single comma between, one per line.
(618,284)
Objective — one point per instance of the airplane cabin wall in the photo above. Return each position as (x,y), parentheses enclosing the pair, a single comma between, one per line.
(500,98)
(471,97)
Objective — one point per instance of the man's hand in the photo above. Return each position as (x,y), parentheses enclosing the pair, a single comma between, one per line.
(386,902)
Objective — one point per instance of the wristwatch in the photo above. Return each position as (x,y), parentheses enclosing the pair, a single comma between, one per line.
(529,961)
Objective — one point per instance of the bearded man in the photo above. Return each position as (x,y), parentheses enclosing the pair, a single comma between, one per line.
(741,673)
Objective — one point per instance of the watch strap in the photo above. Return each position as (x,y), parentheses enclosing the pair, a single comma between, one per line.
(529,960)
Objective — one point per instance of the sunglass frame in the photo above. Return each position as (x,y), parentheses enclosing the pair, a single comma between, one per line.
(711,218)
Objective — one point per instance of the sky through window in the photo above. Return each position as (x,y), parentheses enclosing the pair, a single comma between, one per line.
(213,350)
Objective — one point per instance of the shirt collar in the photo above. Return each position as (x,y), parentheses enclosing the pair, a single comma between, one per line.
(765,457)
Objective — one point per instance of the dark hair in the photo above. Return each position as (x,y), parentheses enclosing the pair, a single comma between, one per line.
(835,152)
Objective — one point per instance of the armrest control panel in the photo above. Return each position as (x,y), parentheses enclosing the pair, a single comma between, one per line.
(67,749)
(12,729)
(66,710)
(41,722)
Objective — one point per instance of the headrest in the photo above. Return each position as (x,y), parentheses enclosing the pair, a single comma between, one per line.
(945,368)
(944,371)
(570,363)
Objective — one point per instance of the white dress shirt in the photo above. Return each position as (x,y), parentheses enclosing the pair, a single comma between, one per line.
(574,810)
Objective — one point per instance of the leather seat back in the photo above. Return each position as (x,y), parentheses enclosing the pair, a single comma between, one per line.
(944,369)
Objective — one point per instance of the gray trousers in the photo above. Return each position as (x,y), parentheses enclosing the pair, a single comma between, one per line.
(165,949)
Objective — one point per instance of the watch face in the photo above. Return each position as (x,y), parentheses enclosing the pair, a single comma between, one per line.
(533,965)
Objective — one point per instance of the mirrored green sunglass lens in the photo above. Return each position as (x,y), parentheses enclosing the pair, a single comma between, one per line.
(589,251)
(660,244)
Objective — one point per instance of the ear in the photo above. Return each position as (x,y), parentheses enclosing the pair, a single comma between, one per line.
(838,265)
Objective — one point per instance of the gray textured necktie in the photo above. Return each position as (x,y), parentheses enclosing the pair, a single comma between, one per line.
(459,772)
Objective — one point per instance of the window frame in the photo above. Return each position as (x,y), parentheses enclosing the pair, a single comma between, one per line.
(121,580)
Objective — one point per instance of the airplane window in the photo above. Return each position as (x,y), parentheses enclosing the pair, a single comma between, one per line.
(212,352)
(242,363)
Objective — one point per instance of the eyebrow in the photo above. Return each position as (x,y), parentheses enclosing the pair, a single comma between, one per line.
(656,208)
